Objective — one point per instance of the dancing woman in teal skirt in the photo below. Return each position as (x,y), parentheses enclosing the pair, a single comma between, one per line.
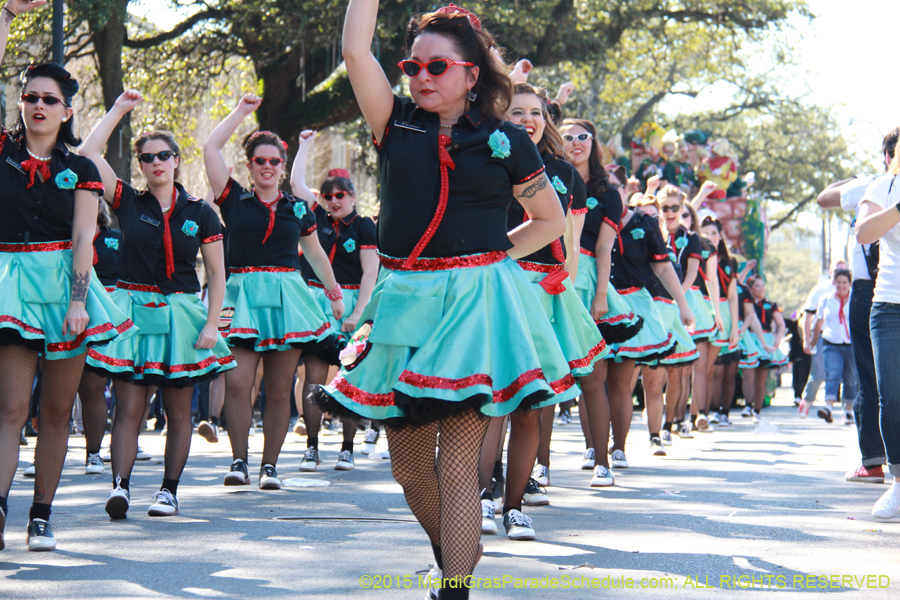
(270,314)
(52,307)
(178,343)
(446,340)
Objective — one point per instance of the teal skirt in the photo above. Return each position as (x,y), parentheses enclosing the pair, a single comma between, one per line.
(685,350)
(272,310)
(753,354)
(575,330)
(654,341)
(449,335)
(704,315)
(162,352)
(36,283)
(776,358)
(722,337)
(618,325)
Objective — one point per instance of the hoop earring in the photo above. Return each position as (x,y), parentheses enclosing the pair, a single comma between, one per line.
(471,96)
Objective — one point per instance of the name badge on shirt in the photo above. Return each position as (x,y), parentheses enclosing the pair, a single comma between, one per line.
(150,220)
(327,231)
(15,165)
(409,126)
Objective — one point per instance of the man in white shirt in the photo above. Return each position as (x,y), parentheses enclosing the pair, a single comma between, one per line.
(848,196)
(817,369)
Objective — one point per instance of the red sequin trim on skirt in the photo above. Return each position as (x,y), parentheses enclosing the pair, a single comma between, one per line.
(645,348)
(583,363)
(158,366)
(539,267)
(40,247)
(279,342)
(316,284)
(242,270)
(22,324)
(444,264)
(71,345)
(587,252)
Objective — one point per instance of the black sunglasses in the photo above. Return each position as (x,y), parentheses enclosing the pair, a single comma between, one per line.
(666,209)
(336,196)
(685,215)
(147,157)
(262,161)
(48,100)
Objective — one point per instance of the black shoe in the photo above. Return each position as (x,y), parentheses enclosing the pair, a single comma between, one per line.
(29,430)
(22,440)
(535,494)
(40,535)
(239,473)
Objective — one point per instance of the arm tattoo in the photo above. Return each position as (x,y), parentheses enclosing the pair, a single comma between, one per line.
(539,184)
(8,16)
(80,285)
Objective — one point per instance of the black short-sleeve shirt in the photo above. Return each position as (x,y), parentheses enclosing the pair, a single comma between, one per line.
(605,209)
(489,158)
(142,254)
(764,312)
(727,269)
(707,253)
(562,178)
(106,251)
(342,240)
(44,211)
(247,220)
(642,244)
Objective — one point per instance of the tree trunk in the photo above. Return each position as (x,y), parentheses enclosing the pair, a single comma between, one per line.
(108,42)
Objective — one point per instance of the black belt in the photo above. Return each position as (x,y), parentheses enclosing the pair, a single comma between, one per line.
(866,284)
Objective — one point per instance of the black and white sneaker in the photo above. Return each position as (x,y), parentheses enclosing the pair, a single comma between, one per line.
(29,470)
(488,526)
(118,502)
(656,448)
(535,494)
(165,504)
(208,431)
(497,492)
(141,455)
(310,460)
(239,473)
(665,438)
(345,461)
(541,474)
(93,465)
(268,478)
(517,525)
(368,446)
(587,459)
(40,536)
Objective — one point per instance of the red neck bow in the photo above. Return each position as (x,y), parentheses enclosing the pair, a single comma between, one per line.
(32,166)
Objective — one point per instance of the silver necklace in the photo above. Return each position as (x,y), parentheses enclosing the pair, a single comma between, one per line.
(36,157)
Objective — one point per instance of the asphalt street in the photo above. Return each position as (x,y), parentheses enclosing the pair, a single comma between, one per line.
(741,512)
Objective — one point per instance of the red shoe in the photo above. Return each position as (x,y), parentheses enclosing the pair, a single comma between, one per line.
(867,475)
(803,409)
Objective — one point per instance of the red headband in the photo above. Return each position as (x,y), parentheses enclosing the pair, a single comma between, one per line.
(454,10)
(339,173)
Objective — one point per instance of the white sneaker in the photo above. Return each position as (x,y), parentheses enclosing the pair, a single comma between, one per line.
(40,535)
(747,412)
(345,461)
(29,470)
(587,459)
(208,432)
(684,432)
(665,437)
(724,421)
(888,506)
(618,460)
(488,525)
(310,460)
(368,445)
(603,477)
(541,474)
(238,474)
(849,418)
(94,465)
(165,504)
(118,502)
(656,448)
(268,478)
(713,417)
(518,526)
(755,418)
(535,494)
(141,455)
(702,423)
(386,455)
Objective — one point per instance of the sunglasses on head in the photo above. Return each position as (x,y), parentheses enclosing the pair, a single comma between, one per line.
(262,161)
(436,67)
(673,209)
(147,157)
(336,196)
(581,137)
(48,100)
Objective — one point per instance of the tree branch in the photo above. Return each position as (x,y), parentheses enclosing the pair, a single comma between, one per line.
(793,211)
(178,30)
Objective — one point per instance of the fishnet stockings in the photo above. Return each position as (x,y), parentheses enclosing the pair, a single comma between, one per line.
(524,437)
(442,493)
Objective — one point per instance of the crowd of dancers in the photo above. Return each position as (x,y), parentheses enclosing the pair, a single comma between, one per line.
(510,271)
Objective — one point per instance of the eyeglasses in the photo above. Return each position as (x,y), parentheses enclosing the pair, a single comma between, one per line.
(148,157)
(336,196)
(262,161)
(581,137)
(48,100)
(436,67)
(673,209)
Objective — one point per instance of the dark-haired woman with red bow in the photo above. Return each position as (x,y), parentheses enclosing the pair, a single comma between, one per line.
(52,307)
(273,316)
(349,241)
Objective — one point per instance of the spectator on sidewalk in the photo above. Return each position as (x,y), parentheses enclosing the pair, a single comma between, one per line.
(817,367)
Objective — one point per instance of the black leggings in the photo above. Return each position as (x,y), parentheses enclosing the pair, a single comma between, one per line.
(800,373)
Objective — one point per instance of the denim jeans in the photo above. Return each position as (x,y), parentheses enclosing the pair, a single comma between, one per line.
(839,368)
(885,330)
(816,373)
(865,409)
